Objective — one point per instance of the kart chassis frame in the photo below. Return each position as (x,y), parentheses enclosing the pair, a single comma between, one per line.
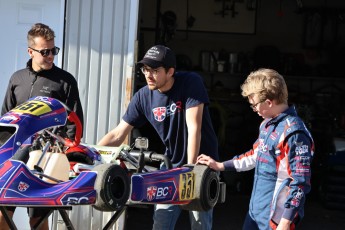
(64,215)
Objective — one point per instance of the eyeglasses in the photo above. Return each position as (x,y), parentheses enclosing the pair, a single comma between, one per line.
(146,70)
(253,106)
(46,52)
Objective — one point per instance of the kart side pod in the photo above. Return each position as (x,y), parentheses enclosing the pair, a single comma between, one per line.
(193,187)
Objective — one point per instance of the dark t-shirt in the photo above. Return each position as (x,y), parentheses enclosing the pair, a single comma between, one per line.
(167,114)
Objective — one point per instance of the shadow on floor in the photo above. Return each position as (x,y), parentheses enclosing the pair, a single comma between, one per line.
(230,215)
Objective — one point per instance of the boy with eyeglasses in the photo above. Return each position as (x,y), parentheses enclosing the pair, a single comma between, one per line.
(176,105)
(41,78)
(281,156)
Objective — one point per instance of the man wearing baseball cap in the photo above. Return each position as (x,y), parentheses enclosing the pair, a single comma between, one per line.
(159,56)
(176,105)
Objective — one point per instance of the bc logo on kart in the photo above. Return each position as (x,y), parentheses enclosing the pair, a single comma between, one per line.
(33,107)
(187,186)
(77,200)
(162,192)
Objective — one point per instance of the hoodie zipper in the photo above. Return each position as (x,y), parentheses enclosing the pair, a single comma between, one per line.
(32,84)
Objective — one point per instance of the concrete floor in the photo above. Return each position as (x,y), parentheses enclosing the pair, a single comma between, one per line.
(230,215)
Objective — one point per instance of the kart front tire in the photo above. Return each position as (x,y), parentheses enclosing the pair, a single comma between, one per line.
(207,189)
(112,186)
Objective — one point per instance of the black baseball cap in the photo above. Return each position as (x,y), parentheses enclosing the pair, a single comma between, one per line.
(158,56)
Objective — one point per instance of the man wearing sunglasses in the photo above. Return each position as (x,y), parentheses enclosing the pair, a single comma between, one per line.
(41,78)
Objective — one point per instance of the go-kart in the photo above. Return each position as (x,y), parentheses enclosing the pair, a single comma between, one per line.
(108,178)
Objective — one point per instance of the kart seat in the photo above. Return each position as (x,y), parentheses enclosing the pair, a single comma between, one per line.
(55,165)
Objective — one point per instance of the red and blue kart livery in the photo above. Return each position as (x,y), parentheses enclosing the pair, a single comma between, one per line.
(19,187)
(108,178)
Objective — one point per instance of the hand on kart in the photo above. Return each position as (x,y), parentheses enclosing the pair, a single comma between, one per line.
(284,224)
(207,160)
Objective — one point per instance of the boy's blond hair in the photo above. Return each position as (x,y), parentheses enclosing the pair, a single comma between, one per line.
(267,84)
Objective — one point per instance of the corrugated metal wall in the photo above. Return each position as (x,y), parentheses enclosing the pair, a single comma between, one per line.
(99,50)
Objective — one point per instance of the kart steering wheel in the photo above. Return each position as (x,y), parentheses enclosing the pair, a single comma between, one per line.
(72,117)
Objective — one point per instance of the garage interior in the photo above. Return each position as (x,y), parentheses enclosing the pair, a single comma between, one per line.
(224,40)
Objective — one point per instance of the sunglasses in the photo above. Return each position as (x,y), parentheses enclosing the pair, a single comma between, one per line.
(46,52)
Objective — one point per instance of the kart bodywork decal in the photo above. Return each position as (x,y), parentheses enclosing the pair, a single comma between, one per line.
(35,108)
(163,186)
(187,186)
(20,187)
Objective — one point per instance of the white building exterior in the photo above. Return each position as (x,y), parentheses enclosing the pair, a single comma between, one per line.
(98,41)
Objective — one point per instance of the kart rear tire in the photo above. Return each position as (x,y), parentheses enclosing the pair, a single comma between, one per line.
(207,189)
(112,186)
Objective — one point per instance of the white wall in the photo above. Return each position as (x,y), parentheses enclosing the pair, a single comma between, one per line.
(16,18)
(99,50)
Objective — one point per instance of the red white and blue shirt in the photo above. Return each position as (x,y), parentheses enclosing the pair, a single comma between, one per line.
(166,112)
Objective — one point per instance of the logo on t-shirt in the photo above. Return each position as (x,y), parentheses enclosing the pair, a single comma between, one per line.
(159,113)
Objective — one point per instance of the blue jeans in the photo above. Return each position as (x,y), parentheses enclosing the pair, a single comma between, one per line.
(166,215)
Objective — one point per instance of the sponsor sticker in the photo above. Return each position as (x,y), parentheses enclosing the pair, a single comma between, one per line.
(23,186)
(36,108)
(301,149)
(151,193)
(187,186)
(10,117)
(297,198)
(161,192)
